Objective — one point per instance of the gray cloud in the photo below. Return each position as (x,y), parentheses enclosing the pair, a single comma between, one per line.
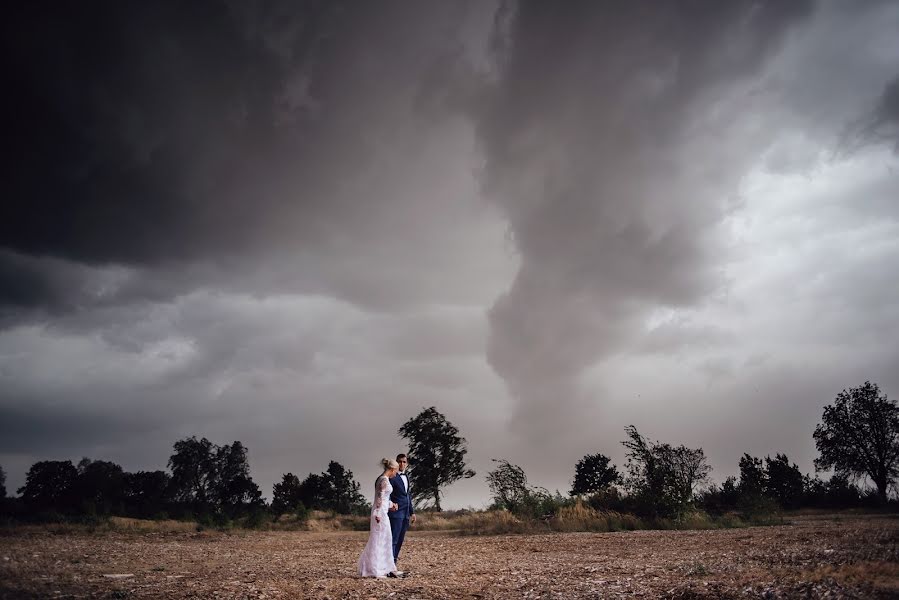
(611,147)
(297,226)
(225,134)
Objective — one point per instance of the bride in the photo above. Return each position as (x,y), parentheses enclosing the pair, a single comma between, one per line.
(377,557)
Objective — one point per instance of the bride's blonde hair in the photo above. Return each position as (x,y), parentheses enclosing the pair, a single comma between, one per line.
(389,463)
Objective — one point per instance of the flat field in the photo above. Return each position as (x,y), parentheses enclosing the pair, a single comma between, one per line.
(812,557)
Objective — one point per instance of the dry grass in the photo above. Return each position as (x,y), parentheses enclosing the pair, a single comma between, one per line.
(144,526)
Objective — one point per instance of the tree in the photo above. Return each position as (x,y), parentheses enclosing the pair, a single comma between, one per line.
(859,436)
(752,476)
(99,487)
(314,491)
(783,481)
(592,474)
(193,470)
(147,492)
(210,476)
(343,490)
(510,490)
(232,485)
(436,455)
(729,491)
(48,484)
(662,476)
(2,483)
(717,499)
(508,486)
(335,489)
(286,495)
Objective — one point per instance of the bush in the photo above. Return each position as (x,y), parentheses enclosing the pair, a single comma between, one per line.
(256,519)
(758,509)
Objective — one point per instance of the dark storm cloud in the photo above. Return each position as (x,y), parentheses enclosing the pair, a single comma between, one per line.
(286,223)
(883,124)
(608,148)
(152,134)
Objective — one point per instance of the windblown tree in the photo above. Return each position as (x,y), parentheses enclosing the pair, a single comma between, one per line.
(436,455)
(859,436)
(592,474)
(508,486)
(662,476)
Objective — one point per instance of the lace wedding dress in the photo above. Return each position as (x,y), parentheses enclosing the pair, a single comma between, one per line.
(377,558)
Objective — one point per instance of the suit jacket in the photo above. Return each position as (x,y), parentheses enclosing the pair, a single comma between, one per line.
(403,499)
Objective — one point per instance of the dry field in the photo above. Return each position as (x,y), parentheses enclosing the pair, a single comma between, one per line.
(813,557)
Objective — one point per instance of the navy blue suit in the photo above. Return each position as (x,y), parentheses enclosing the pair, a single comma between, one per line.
(399,519)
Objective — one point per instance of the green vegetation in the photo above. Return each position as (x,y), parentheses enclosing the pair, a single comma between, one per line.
(664,486)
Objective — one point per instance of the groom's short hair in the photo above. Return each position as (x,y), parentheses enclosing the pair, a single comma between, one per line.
(399,456)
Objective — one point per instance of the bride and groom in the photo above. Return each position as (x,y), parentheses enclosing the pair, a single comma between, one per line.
(391,515)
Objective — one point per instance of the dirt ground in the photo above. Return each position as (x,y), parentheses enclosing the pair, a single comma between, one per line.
(833,557)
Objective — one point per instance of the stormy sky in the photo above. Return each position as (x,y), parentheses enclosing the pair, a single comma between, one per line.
(298,224)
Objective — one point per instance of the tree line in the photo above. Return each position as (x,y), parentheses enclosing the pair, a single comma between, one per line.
(857,438)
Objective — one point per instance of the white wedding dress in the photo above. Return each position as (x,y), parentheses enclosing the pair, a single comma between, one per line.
(377,557)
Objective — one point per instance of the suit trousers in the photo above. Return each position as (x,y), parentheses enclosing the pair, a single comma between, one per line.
(398,527)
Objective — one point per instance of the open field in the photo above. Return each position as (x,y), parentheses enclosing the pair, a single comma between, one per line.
(813,557)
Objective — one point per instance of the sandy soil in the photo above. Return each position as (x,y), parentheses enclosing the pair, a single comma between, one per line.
(847,557)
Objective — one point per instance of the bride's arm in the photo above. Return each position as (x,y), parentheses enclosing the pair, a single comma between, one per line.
(380,487)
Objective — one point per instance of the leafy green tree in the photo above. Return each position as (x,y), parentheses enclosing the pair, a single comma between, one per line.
(315,491)
(752,476)
(663,477)
(859,436)
(48,484)
(99,487)
(234,488)
(592,474)
(783,481)
(193,467)
(147,493)
(335,489)
(343,490)
(718,499)
(436,455)
(213,477)
(729,492)
(286,494)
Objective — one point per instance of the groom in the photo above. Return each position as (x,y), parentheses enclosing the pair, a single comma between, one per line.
(404,514)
